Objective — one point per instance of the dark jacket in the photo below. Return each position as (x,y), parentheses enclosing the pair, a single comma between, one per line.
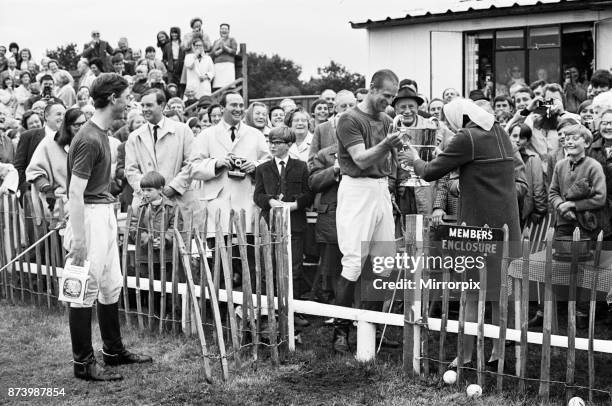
(324,180)
(139,224)
(169,62)
(488,193)
(28,142)
(102,50)
(536,199)
(268,186)
(324,136)
(127,194)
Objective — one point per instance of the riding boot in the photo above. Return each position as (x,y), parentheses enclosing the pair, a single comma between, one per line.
(85,365)
(113,351)
(344,297)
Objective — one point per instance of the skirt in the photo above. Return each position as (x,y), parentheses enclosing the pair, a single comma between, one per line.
(225,73)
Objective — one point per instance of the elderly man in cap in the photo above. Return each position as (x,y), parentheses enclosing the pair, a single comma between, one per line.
(419,199)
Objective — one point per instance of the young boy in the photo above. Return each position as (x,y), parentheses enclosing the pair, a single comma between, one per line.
(578,187)
(152,185)
(535,202)
(284,181)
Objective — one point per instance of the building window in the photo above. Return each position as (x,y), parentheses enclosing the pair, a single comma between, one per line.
(499,62)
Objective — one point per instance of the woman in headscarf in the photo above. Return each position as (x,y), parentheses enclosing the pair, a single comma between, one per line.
(483,153)
(257,116)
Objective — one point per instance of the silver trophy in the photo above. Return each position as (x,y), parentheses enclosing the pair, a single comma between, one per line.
(423,139)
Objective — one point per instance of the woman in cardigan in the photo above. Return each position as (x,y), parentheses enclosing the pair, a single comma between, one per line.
(47,170)
(482,151)
(223,53)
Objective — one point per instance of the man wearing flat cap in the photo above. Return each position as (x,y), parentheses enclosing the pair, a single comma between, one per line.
(411,200)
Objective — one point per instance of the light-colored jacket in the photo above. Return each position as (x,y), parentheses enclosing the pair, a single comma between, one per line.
(217,189)
(169,156)
(199,74)
(49,161)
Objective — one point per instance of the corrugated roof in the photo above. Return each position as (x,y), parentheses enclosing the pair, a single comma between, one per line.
(448,9)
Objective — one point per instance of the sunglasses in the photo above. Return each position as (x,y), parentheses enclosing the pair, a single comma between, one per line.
(78,123)
(276,142)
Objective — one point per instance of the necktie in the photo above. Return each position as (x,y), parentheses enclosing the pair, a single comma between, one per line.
(233,136)
(155,128)
(282,176)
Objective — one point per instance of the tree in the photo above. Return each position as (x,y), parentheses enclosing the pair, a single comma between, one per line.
(66,56)
(334,76)
(272,76)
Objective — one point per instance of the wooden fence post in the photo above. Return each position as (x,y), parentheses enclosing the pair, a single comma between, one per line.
(267,256)
(245,73)
(503,308)
(523,314)
(594,281)
(571,317)
(544,391)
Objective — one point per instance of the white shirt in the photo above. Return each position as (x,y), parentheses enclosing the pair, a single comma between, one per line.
(175,49)
(278,165)
(160,125)
(228,127)
(301,152)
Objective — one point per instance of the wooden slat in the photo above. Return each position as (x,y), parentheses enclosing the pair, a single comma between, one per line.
(162,269)
(503,309)
(214,304)
(150,265)
(461,332)
(17,242)
(257,248)
(267,256)
(228,287)
(409,327)
(247,291)
(12,250)
(280,286)
(203,259)
(188,224)
(175,268)
(480,347)
(38,255)
(217,259)
(47,262)
(593,298)
(425,298)
(139,227)
(544,390)
(444,322)
(124,265)
(524,316)
(3,259)
(186,255)
(571,316)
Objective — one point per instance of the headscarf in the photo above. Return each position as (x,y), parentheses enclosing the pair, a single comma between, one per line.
(248,117)
(456,109)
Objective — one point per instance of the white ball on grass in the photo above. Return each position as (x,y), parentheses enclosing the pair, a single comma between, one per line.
(576,401)
(450,377)
(474,391)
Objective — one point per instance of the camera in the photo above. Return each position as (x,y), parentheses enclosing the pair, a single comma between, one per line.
(543,107)
(234,170)
(47,92)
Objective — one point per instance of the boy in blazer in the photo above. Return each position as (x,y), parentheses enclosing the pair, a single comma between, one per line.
(284,181)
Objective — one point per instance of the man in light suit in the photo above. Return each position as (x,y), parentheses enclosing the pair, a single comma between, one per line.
(162,145)
(214,151)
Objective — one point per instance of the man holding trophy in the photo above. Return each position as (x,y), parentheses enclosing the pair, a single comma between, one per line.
(367,155)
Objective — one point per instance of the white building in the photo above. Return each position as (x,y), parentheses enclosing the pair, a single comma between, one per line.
(505,42)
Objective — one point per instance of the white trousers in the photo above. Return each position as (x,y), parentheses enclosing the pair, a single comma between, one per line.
(105,279)
(364,220)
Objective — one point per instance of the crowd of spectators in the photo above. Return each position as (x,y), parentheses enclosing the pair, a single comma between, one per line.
(209,150)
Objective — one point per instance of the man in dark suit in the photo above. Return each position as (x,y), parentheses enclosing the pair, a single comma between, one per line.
(283,181)
(98,48)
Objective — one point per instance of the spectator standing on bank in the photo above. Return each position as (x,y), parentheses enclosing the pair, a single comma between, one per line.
(174,56)
(199,70)
(196,32)
(98,48)
(223,53)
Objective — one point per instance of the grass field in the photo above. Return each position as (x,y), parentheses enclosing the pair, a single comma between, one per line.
(35,352)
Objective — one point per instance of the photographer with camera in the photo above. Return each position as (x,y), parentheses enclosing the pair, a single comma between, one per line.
(546,113)
(47,93)
(574,91)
